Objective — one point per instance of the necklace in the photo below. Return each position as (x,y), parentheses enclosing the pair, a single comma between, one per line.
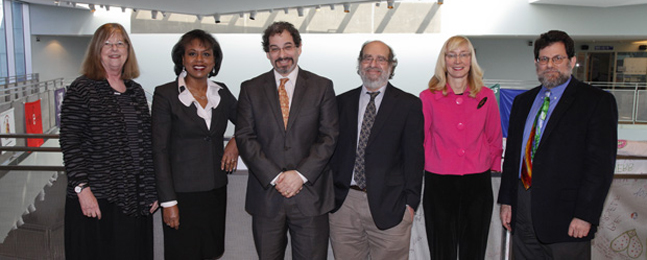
(196,96)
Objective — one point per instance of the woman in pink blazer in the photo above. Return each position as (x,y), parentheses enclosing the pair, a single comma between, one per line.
(463,144)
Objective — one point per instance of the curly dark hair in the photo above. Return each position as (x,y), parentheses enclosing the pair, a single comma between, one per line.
(278,28)
(553,36)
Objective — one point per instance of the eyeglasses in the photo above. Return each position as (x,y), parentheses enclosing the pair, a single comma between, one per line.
(462,56)
(543,60)
(276,49)
(119,44)
(369,59)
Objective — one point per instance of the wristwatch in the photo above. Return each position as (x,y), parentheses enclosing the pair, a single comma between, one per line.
(80,188)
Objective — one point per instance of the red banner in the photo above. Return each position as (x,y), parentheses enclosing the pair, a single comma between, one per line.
(33,123)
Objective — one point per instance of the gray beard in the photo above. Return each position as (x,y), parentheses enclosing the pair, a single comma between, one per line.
(374,84)
(551,83)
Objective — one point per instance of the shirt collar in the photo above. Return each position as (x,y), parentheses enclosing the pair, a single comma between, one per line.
(185,95)
(381,89)
(292,76)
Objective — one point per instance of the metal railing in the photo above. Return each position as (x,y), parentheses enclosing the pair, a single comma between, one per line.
(19,78)
(631,97)
(11,92)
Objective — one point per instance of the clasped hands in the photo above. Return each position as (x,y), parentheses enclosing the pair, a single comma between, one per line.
(289,183)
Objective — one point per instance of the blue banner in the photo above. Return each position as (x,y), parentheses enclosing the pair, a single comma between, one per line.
(506,97)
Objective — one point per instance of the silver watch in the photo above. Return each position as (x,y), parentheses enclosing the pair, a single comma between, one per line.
(80,188)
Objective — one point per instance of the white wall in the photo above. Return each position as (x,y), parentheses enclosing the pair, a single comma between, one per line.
(52,20)
(58,56)
(330,55)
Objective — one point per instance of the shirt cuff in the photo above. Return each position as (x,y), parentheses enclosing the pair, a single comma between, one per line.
(303,178)
(273,182)
(168,204)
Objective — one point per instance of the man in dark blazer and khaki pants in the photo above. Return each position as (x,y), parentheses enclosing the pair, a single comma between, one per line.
(286,132)
(555,213)
(373,214)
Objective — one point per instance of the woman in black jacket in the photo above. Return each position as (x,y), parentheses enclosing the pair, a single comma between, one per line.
(190,117)
(106,142)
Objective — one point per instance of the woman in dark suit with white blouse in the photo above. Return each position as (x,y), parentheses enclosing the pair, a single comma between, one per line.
(190,117)
(106,143)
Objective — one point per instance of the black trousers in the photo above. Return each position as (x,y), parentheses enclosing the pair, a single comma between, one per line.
(114,236)
(525,244)
(202,226)
(458,210)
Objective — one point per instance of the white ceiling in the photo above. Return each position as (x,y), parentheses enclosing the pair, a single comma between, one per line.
(204,7)
(591,3)
(209,7)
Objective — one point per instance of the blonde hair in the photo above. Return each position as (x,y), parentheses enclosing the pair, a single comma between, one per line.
(475,76)
(92,67)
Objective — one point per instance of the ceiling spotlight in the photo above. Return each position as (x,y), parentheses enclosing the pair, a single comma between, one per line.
(332,7)
(199,17)
(389,4)
(57,3)
(154,14)
(318,8)
(163,13)
(440,2)
(285,10)
(241,15)
(300,11)
(346,8)
(377,4)
(134,10)
(107,7)
(73,4)
(100,6)
(216,17)
(92,9)
(123,9)
(252,15)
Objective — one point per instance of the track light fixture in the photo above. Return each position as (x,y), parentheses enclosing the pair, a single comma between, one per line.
(199,17)
(92,9)
(154,14)
(332,7)
(123,9)
(346,8)
(285,10)
(216,17)
(389,4)
(252,15)
(300,11)
(107,7)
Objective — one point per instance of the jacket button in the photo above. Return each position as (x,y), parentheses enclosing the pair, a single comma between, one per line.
(460,126)
(459,100)
(461,152)
(208,138)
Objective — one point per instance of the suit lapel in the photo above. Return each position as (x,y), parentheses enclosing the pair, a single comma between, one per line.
(191,111)
(271,93)
(297,100)
(384,112)
(564,103)
(351,117)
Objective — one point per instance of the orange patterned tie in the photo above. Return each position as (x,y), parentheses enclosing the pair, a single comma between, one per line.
(285,102)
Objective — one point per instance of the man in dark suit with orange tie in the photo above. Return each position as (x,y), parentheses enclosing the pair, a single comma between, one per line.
(286,132)
(378,163)
(559,160)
